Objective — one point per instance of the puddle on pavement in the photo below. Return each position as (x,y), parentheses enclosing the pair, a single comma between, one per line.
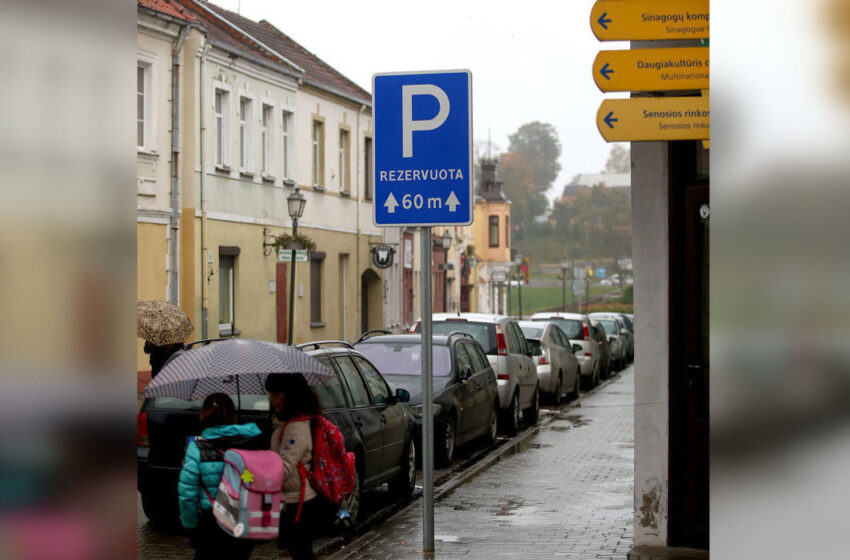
(447,538)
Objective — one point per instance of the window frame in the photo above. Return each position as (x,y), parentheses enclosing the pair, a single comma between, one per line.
(368,167)
(267,112)
(227,329)
(493,222)
(317,261)
(246,133)
(221,125)
(317,136)
(378,377)
(287,135)
(343,160)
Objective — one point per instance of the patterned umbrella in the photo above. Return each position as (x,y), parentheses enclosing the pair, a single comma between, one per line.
(162,323)
(234,367)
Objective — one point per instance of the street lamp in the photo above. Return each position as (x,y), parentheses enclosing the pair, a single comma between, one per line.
(295,203)
(446,242)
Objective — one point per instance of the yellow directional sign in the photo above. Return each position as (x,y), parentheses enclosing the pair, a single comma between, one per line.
(652,69)
(654,118)
(636,20)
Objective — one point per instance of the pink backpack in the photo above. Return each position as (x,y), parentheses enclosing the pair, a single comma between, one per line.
(250,496)
(333,471)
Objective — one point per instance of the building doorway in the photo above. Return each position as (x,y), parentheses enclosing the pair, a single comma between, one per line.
(371,301)
(689,356)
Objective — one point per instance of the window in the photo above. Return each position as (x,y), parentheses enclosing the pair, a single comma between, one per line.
(367,169)
(461,359)
(494,231)
(380,391)
(266,139)
(479,360)
(286,143)
(330,394)
(245,130)
(318,154)
(221,128)
(316,262)
(142,92)
(523,345)
(344,179)
(226,264)
(507,231)
(359,393)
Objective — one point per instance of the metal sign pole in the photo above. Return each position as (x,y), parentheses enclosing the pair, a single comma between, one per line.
(427,398)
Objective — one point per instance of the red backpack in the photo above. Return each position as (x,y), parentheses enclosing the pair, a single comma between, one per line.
(333,471)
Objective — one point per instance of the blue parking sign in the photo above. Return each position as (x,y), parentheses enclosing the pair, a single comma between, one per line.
(422,148)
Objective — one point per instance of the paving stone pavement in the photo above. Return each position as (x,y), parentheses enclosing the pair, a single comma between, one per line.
(567,491)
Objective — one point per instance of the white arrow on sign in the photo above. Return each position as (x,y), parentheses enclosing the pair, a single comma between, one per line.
(391,203)
(452,202)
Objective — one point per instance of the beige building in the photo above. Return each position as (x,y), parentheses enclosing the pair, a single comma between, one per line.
(275,117)
(257,117)
(167,40)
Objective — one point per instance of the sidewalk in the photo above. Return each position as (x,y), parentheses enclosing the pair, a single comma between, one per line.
(566,491)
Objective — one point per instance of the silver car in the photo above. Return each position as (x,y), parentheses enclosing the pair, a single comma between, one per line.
(508,353)
(575,326)
(617,336)
(557,365)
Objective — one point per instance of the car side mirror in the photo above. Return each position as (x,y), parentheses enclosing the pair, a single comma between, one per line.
(465,373)
(576,347)
(402,395)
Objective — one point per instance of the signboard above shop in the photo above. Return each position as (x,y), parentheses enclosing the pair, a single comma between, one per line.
(422,148)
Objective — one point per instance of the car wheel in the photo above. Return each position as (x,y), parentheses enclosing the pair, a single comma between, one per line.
(403,484)
(511,417)
(532,413)
(559,389)
(445,444)
(492,425)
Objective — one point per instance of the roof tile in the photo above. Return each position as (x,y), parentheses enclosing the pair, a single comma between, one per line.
(167,7)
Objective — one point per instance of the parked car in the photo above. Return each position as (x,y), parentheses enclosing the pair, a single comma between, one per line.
(617,337)
(510,356)
(465,402)
(376,423)
(605,361)
(557,365)
(630,326)
(579,329)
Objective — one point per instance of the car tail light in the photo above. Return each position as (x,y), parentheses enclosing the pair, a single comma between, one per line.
(142,430)
(543,361)
(588,354)
(501,347)
(586,332)
(503,376)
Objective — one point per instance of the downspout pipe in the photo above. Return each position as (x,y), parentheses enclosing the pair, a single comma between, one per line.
(205,265)
(358,303)
(173,246)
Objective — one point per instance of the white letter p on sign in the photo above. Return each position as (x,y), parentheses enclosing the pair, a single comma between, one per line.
(408,125)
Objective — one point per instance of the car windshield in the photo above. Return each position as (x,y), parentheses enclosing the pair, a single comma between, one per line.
(484,333)
(609,325)
(405,358)
(571,327)
(532,332)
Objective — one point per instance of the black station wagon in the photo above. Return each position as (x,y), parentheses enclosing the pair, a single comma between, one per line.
(376,423)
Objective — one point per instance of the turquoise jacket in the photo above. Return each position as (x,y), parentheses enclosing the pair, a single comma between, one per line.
(189,492)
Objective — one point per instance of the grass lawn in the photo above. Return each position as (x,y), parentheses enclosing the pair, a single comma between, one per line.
(539,298)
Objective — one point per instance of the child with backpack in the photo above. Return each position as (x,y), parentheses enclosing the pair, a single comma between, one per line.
(201,474)
(291,401)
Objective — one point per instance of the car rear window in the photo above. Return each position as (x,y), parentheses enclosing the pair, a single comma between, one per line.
(532,332)
(533,344)
(405,358)
(243,402)
(609,325)
(571,327)
(484,333)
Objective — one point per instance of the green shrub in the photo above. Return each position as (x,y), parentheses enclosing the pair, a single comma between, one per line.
(628,295)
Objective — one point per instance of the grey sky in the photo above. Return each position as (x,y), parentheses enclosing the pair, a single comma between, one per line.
(529,61)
